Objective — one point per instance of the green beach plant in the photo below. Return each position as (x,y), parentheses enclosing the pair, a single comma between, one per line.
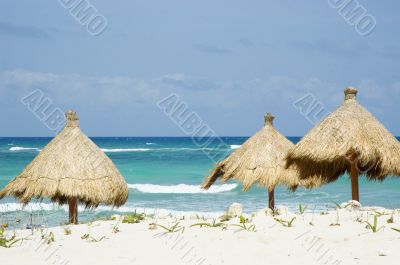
(244,227)
(67,231)
(89,238)
(243,219)
(390,220)
(225,218)
(302,209)
(48,238)
(172,229)
(359,219)
(213,224)
(374,226)
(7,242)
(379,214)
(51,238)
(116,229)
(92,239)
(275,212)
(396,229)
(200,217)
(133,218)
(286,223)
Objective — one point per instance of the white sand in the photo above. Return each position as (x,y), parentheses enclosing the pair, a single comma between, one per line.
(338,237)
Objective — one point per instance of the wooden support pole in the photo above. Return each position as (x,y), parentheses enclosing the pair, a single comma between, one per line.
(271,199)
(73,210)
(354,182)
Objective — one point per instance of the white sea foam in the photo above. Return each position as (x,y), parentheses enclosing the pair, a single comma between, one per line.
(18,148)
(174,149)
(235,146)
(168,149)
(31,207)
(181,188)
(48,207)
(121,150)
(150,143)
(10,144)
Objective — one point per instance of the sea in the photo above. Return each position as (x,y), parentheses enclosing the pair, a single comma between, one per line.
(166,173)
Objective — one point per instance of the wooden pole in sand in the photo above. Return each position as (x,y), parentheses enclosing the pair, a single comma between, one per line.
(354,182)
(271,199)
(73,210)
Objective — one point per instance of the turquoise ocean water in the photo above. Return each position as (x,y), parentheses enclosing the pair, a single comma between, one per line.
(165,173)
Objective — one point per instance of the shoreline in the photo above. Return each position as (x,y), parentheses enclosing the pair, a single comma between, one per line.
(53,215)
(257,238)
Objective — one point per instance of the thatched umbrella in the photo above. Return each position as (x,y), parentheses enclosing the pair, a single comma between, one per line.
(259,160)
(70,169)
(350,139)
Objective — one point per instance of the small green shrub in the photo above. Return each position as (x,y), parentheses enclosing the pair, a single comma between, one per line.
(302,209)
(116,229)
(390,220)
(225,218)
(212,224)
(374,226)
(286,223)
(244,227)
(67,231)
(133,218)
(7,242)
(172,229)
(243,219)
(89,238)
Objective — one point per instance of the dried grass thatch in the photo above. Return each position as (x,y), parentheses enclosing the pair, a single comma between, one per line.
(70,166)
(349,135)
(259,160)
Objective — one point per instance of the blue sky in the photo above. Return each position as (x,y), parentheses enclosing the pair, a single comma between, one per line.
(230,61)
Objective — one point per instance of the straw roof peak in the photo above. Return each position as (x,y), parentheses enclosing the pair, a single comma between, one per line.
(72,118)
(350,93)
(269,119)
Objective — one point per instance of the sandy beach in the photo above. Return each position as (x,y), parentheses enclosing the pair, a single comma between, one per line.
(340,236)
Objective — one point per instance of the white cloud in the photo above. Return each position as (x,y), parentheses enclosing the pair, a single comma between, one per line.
(222,103)
(176,76)
(76,89)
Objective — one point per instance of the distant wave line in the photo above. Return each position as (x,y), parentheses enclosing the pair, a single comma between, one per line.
(125,150)
(18,148)
(181,188)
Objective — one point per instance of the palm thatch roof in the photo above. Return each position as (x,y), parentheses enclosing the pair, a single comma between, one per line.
(259,160)
(349,135)
(71,165)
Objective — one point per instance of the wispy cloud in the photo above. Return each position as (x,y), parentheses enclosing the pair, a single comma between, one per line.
(212,49)
(23,31)
(246,42)
(85,90)
(390,52)
(185,82)
(333,48)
